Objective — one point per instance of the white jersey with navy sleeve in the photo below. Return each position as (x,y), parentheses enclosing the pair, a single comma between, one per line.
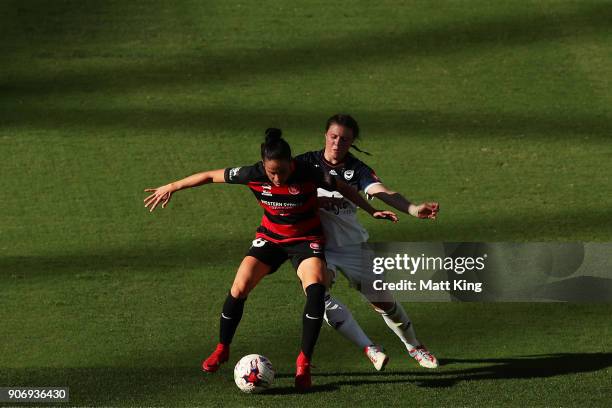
(339,215)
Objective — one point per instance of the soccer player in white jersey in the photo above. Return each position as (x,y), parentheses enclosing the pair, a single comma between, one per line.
(345,235)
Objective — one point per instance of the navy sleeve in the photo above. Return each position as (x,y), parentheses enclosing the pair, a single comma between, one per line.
(367,176)
(240,175)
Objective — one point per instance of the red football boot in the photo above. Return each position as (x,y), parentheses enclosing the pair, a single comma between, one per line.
(218,357)
(302,373)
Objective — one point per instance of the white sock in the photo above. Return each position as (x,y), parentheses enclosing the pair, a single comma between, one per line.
(398,321)
(341,319)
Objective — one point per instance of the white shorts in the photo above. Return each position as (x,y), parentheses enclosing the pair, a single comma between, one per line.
(355,263)
(352,261)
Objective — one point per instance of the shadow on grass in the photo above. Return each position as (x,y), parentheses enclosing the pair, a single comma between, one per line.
(198,70)
(170,258)
(121,384)
(100,385)
(530,225)
(316,389)
(452,37)
(523,126)
(193,254)
(526,367)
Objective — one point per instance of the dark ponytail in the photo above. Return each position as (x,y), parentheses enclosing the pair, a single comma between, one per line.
(275,147)
(361,151)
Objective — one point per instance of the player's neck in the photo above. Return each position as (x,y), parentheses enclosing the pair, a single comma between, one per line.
(330,159)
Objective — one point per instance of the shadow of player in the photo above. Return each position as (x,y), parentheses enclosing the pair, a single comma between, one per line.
(291,390)
(524,367)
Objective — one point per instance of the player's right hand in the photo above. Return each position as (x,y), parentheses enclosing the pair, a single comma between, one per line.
(428,210)
(160,194)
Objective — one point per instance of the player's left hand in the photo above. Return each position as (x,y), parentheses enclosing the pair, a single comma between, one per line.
(428,210)
(385,215)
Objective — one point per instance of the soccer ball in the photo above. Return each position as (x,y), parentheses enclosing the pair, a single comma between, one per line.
(253,373)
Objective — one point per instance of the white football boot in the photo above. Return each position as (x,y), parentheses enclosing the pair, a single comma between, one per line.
(377,357)
(423,357)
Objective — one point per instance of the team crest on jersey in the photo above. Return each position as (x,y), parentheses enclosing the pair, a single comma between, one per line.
(333,172)
(294,189)
(234,172)
(348,174)
(315,246)
(267,190)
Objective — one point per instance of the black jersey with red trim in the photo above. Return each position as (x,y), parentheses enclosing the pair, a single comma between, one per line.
(291,210)
(351,170)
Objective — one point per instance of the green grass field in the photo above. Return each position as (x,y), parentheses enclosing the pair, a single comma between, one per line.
(498,110)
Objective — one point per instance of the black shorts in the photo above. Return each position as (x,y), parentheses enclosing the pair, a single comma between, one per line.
(275,254)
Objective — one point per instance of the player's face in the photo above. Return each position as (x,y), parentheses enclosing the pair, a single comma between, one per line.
(338,140)
(278,171)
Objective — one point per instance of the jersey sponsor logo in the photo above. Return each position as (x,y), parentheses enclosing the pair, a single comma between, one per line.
(333,172)
(348,174)
(234,172)
(267,190)
(276,205)
(336,205)
(259,242)
(294,189)
(315,245)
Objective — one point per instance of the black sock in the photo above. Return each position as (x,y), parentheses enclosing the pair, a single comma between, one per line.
(313,317)
(230,318)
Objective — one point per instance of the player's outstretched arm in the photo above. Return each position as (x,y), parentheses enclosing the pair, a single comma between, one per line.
(164,193)
(353,195)
(399,202)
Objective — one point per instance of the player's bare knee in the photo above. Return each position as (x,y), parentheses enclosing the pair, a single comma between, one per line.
(239,290)
(312,270)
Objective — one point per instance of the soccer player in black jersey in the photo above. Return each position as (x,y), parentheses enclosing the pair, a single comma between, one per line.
(286,189)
